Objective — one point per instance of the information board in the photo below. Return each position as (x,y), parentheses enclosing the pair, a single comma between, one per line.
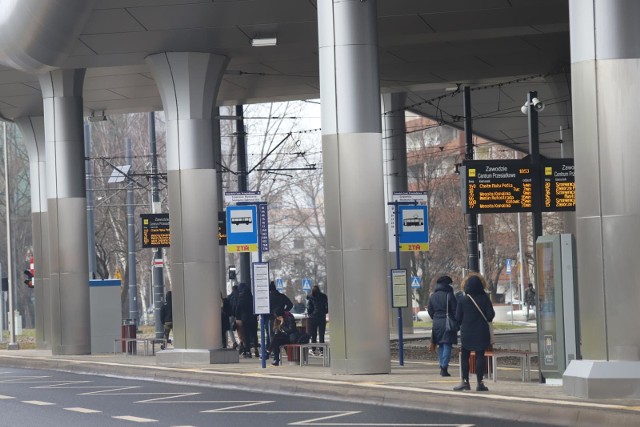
(559,183)
(494,186)
(155,230)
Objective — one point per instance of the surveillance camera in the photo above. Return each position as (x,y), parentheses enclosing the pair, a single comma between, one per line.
(537,104)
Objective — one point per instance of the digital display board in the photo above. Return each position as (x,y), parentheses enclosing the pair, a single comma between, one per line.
(494,186)
(155,230)
(497,186)
(559,184)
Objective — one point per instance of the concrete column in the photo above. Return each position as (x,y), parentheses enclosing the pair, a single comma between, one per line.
(605,52)
(188,84)
(395,161)
(32,129)
(353,187)
(67,211)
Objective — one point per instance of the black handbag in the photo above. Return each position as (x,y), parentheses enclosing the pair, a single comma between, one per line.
(450,325)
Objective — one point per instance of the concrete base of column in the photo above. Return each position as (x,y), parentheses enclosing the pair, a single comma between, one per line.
(181,357)
(600,379)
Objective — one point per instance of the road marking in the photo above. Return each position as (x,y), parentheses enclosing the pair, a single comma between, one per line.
(134,419)
(82,410)
(37,402)
(3,397)
(245,405)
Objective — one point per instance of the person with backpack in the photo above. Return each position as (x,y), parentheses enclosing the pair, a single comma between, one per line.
(317,309)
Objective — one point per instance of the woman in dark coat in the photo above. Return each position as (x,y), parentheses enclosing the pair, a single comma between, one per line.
(246,320)
(442,301)
(474,329)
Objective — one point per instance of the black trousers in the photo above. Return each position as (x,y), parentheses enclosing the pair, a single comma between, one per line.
(464,364)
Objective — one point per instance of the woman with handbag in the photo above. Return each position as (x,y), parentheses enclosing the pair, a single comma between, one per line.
(474,314)
(444,332)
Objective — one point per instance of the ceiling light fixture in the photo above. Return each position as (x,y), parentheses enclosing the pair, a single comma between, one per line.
(264,41)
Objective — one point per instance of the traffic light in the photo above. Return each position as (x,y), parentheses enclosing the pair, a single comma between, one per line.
(29,278)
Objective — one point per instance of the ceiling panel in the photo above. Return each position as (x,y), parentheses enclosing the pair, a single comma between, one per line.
(425,46)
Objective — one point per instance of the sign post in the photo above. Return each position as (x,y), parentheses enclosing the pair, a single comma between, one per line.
(412,235)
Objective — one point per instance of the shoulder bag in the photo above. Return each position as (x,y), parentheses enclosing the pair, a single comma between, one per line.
(449,323)
(492,339)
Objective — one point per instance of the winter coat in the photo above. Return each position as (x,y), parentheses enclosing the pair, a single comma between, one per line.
(279,300)
(437,309)
(244,307)
(474,330)
(166,311)
(317,306)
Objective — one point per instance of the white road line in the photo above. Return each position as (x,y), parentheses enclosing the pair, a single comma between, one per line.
(245,405)
(83,410)
(37,402)
(328,417)
(3,397)
(134,419)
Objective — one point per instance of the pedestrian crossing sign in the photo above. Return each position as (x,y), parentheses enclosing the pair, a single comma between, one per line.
(306,284)
(415,282)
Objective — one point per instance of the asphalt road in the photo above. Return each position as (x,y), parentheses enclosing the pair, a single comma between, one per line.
(49,398)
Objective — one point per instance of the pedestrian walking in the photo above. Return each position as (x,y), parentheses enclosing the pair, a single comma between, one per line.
(442,310)
(473,313)
(529,298)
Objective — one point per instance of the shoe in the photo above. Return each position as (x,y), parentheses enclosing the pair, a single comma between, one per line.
(275,363)
(235,345)
(481,387)
(464,385)
(246,355)
(444,372)
(311,352)
(257,354)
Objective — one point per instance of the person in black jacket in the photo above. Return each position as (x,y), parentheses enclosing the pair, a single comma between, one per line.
(442,302)
(246,321)
(277,301)
(317,309)
(166,316)
(474,328)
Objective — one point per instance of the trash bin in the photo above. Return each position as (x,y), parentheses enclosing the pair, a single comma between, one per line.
(306,324)
(293,353)
(129,331)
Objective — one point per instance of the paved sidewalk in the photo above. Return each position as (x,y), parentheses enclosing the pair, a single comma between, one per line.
(417,384)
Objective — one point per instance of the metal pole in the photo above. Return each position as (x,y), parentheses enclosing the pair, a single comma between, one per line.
(534,154)
(13,345)
(472,219)
(91,234)
(157,276)
(400,335)
(131,242)
(245,258)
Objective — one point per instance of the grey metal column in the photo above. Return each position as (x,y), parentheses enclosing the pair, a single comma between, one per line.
(32,129)
(158,253)
(188,84)
(91,233)
(69,271)
(217,155)
(353,187)
(131,239)
(395,159)
(605,56)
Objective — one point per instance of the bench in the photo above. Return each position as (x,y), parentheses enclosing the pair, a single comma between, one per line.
(128,345)
(299,353)
(491,362)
